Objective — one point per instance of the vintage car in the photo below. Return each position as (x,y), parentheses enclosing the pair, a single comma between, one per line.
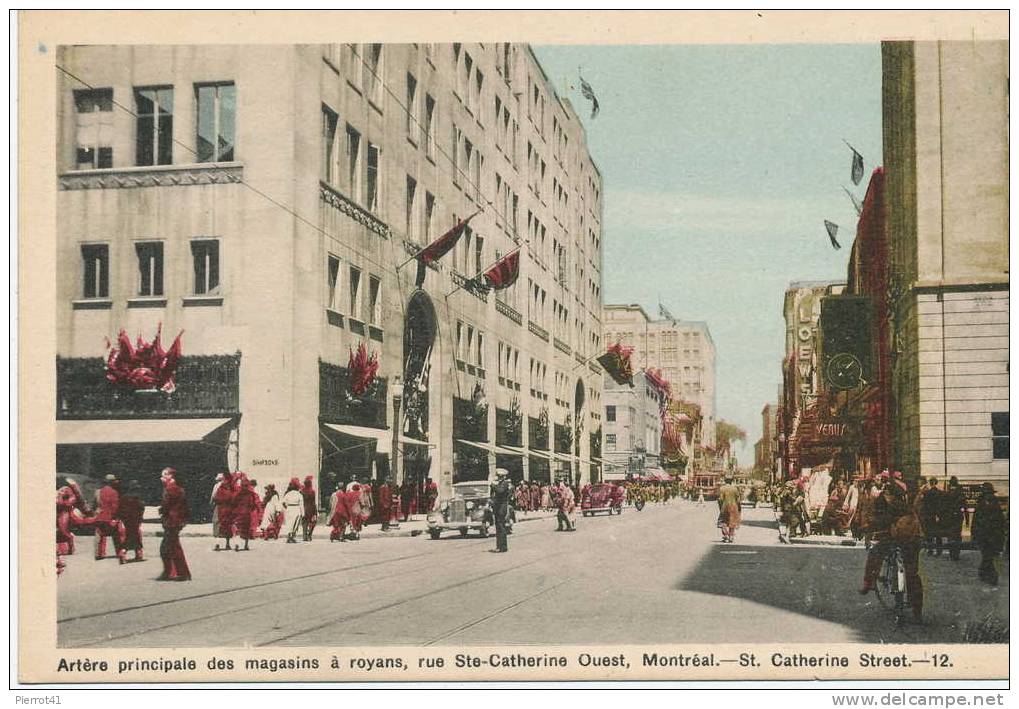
(602,497)
(469,508)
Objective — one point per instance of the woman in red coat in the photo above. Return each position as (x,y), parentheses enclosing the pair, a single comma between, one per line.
(224,499)
(310,508)
(245,507)
(174,515)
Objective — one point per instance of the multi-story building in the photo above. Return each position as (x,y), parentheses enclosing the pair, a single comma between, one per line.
(682,349)
(264,199)
(801,373)
(764,449)
(945,121)
(633,427)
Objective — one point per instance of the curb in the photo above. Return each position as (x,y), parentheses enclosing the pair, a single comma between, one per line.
(374,534)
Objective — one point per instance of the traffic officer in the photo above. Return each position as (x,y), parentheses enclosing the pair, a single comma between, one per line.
(502,492)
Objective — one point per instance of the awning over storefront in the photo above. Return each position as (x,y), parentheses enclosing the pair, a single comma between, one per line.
(407,441)
(382,435)
(511,450)
(563,458)
(487,447)
(109,431)
(544,455)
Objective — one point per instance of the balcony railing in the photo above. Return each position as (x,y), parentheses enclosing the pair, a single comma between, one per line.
(339,201)
(509,311)
(153,176)
(468,285)
(561,346)
(207,386)
(537,330)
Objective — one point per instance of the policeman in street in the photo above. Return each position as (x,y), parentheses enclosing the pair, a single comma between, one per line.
(502,492)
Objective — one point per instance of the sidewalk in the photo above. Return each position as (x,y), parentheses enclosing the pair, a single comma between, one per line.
(417,525)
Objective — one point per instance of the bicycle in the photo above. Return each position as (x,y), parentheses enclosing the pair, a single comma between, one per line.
(892,579)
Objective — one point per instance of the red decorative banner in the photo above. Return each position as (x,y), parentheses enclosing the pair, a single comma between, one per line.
(616,362)
(363,368)
(144,366)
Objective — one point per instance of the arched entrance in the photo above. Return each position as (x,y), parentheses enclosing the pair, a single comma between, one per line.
(420,327)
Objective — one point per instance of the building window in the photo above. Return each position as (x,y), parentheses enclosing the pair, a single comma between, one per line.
(216,116)
(429,129)
(479,254)
(372,180)
(610,413)
(353,163)
(999,433)
(150,268)
(205,259)
(354,304)
(480,355)
(96,261)
(468,69)
(373,72)
(610,441)
(429,213)
(412,112)
(375,300)
(412,188)
(95,128)
(332,282)
(154,139)
(329,121)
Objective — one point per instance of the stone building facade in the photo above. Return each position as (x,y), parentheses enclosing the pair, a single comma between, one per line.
(264,200)
(945,119)
(633,428)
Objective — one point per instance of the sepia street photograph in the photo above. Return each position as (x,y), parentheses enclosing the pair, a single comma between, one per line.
(532,344)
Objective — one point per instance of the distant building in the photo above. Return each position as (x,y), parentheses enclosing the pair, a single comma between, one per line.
(765,449)
(682,349)
(633,428)
(946,153)
(801,375)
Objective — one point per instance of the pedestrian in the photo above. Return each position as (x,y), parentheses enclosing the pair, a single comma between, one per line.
(408,500)
(72,513)
(546,500)
(930,505)
(355,511)
(106,525)
(272,513)
(367,501)
(895,523)
(245,508)
(173,514)
(256,517)
(130,512)
(501,497)
(988,533)
(338,514)
(293,510)
(729,515)
(385,506)
(310,518)
(954,511)
(212,504)
(431,495)
(224,514)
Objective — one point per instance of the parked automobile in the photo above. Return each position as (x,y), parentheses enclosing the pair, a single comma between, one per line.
(470,508)
(602,497)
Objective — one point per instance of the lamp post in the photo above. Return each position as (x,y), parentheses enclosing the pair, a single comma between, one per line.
(394,464)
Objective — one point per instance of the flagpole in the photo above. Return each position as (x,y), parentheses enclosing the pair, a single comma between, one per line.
(486,268)
(459,222)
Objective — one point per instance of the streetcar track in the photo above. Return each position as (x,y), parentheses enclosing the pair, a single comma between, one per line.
(500,611)
(388,606)
(222,613)
(263,584)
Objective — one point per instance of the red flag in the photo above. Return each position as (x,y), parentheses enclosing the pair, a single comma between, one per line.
(363,369)
(617,363)
(504,273)
(168,366)
(445,243)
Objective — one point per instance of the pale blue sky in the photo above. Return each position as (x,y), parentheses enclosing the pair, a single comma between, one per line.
(720,165)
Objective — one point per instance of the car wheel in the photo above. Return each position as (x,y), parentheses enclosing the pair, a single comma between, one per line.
(434,533)
(463,531)
(484,530)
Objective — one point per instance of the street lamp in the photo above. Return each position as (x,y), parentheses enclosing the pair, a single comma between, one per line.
(394,465)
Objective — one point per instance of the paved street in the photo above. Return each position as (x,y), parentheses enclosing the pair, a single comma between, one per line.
(659,575)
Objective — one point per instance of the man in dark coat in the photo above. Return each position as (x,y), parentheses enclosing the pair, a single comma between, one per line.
(502,494)
(130,512)
(930,506)
(223,498)
(989,533)
(174,514)
(952,514)
(310,508)
(385,504)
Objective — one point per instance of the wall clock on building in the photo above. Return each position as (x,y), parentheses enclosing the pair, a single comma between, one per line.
(845,371)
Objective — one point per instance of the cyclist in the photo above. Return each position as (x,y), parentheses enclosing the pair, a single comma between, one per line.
(894,522)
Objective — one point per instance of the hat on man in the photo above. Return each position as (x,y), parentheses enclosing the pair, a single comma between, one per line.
(111,478)
(987,487)
(953,481)
(500,473)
